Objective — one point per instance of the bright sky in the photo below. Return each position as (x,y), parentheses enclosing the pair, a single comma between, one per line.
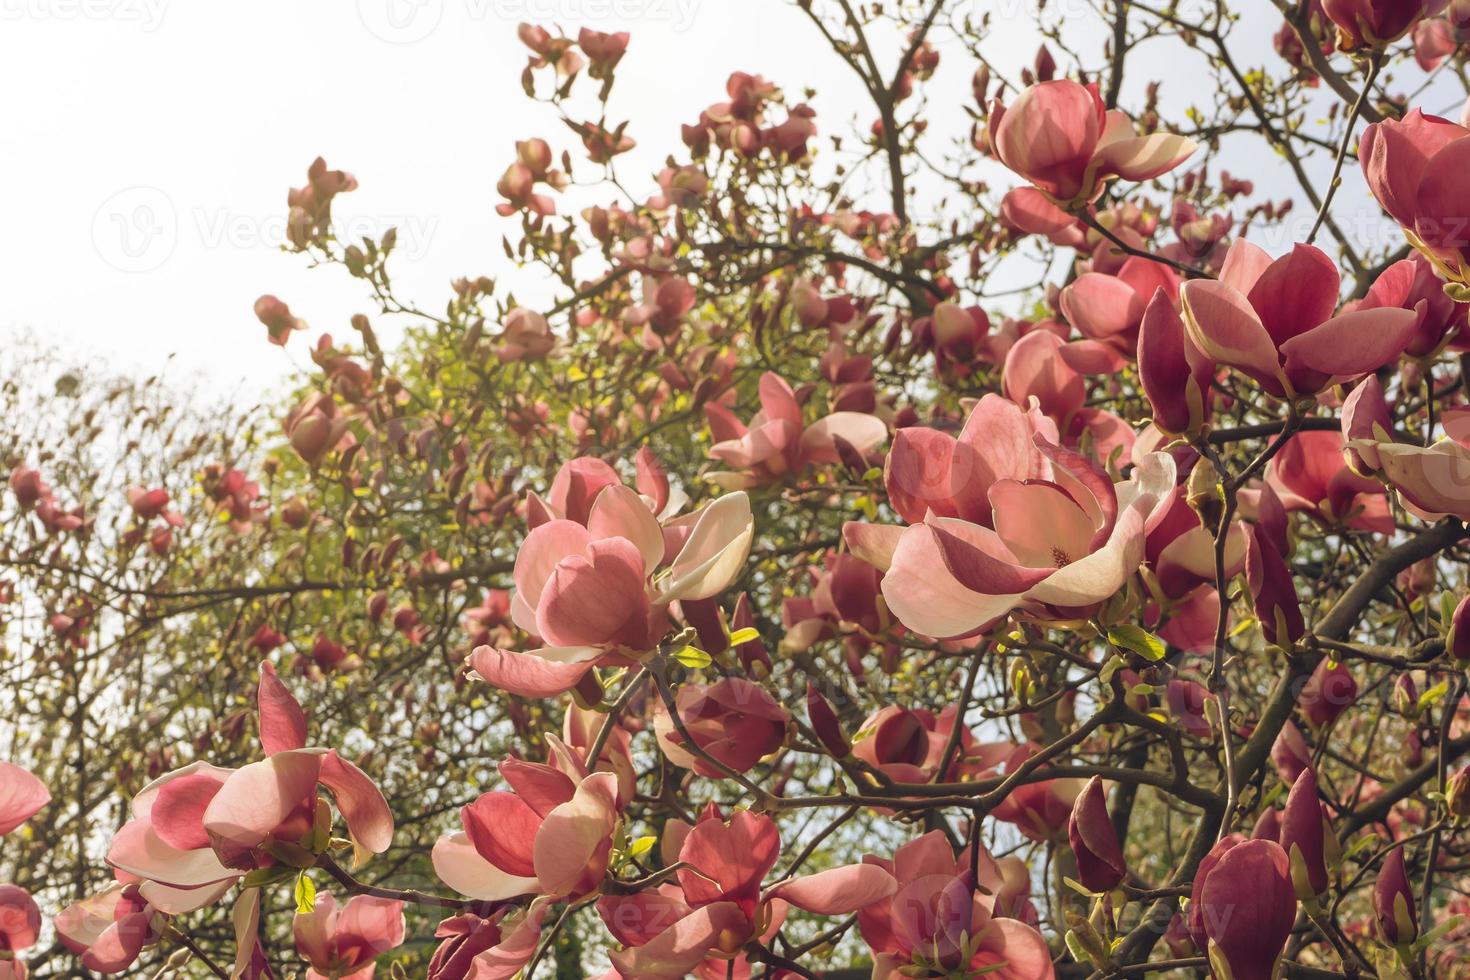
(149,144)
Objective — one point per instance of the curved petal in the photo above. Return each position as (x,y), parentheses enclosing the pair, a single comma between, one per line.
(682,946)
(926,598)
(1352,344)
(873,543)
(503,827)
(461,867)
(282,722)
(21,795)
(862,431)
(1144,157)
(715,552)
(571,848)
(527,675)
(836,891)
(256,799)
(1224,326)
(360,802)
(620,512)
(596,600)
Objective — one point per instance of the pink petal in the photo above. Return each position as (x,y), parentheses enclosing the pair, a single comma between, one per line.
(360,802)
(1040,523)
(715,552)
(680,948)
(503,829)
(282,722)
(917,472)
(1295,293)
(542,787)
(461,867)
(21,795)
(1144,157)
(1225,328)
(1100,306)
(926,597)
(873,543)
(178,814)
(1352,344)
(526,675)
(543,548)
(571,848)
(836,891)
(862,431)
(620,512)
(595,600)
(256,799)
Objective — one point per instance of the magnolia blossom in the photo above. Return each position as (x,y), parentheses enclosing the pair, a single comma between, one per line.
(1002,519)
(1415,167)
(1243,906)
(551,834)
(778,443)
(343,943)
(937,914)
(20,926)
(596,575)
(734,721)
(111,928)
(196,830)
(1060,137)
(494,948)
(1432,481)
(1110,308)
(720,902)
(1273,321)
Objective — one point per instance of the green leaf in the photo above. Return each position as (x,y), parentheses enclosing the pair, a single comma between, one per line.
(1138,640)
(745,635)
(1434,694)
(641,846)
(693,657)
(305,894)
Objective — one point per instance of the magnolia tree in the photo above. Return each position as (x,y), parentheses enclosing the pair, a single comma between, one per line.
(971,541)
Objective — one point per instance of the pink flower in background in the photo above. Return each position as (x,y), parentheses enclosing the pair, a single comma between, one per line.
(21,796)
(937,915)
(1432,481)
(1060,137)
(343,943)
(733,720)
(777,443)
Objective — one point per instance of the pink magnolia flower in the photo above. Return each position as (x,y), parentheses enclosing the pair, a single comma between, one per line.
(1041,809)
(1393,901)
(343,943)
(1110,308)
(111,928)
(1311,474)
(494,948)
(1002,519)
(733,720)
(1174,374)
(909,745)
(1100,864)
(720,903)
(1374,23)
(778,443)
(278,319)
(1433,481)
(199,828)
(551,834)
(1243,906)
(596,575)
(936,914)
(1414,167)
(1273,321)
(1060,137)
(21,796)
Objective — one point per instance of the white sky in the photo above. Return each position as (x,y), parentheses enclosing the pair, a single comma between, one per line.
(147,146)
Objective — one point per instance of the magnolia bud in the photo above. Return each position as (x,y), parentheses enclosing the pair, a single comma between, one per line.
(1457,643)
(1100,865)
(1393,902)
(825,724)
